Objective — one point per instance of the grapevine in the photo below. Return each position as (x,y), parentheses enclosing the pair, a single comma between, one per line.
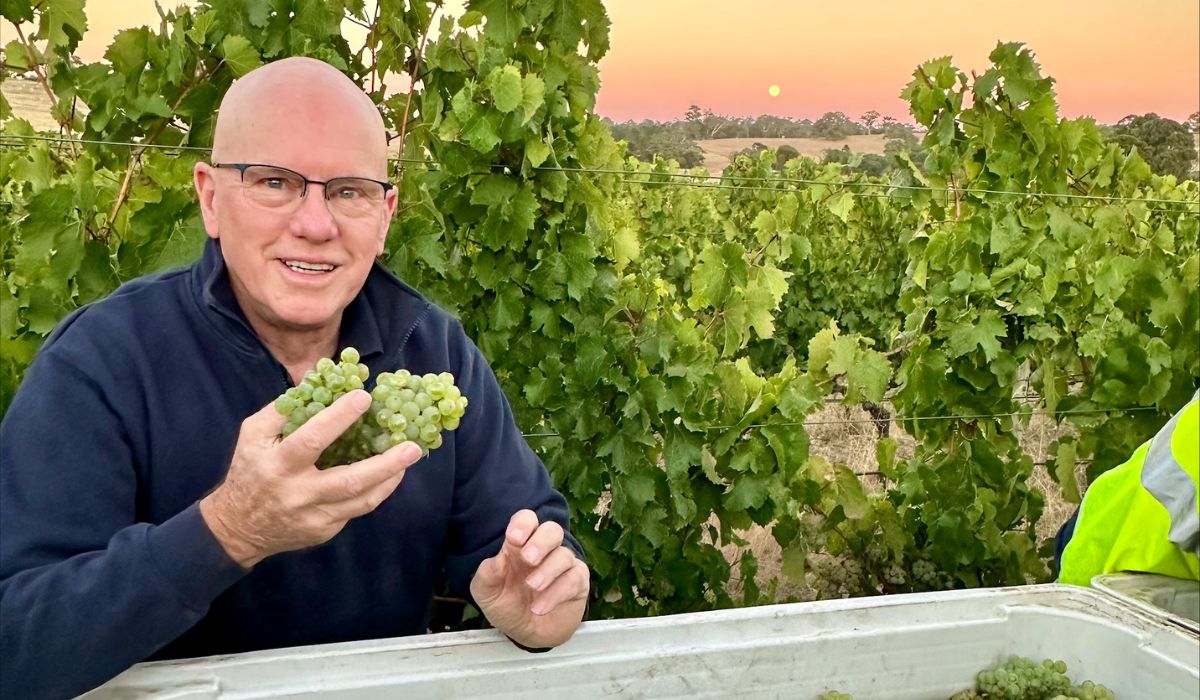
(663,344)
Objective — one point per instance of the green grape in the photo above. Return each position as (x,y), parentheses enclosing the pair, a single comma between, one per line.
(404,406)
(286,405)
(1020,678)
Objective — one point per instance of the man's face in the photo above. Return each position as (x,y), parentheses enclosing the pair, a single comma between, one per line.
(295,268)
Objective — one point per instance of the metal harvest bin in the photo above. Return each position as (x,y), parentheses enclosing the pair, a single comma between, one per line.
(906,647)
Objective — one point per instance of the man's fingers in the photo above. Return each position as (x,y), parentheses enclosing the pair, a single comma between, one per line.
(571,586)
(554,565)
(521,525)
(488,581)
(545,539)
(364,503)
(352,482)
(265,424)
(310,440)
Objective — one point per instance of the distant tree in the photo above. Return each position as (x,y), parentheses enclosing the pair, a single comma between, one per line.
(834,126)
(1193,123)
(897,130)
(783,154)
(866,163)
(771,127)
(1167,146)
(715,125)
(868,119)
(669,140)
(694,122)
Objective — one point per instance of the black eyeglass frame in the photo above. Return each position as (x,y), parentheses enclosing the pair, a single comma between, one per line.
(241,168)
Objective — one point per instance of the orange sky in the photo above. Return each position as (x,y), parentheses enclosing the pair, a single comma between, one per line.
(1110,58)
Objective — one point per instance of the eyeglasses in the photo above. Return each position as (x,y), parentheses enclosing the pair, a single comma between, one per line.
(281,189)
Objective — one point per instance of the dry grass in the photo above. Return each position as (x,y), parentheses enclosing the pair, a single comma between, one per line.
(29,102)
(847,435)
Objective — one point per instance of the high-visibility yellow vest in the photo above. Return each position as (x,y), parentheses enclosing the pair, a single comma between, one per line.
(1142,515)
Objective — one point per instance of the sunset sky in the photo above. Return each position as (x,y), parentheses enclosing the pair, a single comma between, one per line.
(1110,58)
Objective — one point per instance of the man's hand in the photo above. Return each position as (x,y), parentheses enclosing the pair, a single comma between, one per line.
(535,590)
(274,500)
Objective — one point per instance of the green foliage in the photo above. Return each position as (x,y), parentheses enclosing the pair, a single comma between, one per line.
(663,344)
(836,125)
(1075,290)
(1168,146)
(866,163)
(646,140)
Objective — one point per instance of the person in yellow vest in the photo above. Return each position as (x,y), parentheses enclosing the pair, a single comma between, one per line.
(1142,515)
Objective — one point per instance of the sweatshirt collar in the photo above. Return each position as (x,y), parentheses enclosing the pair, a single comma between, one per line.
(360,329)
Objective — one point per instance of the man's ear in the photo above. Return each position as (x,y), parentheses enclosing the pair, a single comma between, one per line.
(204,180)
(390,200)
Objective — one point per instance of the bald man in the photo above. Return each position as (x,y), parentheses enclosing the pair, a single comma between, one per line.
(148,507)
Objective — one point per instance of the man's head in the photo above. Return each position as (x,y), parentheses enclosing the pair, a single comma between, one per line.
(296,262)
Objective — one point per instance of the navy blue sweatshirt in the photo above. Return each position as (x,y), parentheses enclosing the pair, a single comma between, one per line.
(129,415)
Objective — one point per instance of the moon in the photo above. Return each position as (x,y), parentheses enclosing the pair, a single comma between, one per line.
(773,91)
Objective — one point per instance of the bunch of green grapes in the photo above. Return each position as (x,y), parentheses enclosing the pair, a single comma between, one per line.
(406,406)
(1019,678)
(403,407)
(1087,690)
(320,388)
(835,577)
